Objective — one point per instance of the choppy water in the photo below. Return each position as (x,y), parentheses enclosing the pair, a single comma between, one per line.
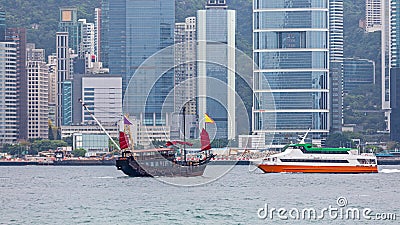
(103,195)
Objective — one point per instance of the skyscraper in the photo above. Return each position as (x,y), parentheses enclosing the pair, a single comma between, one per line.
(336,64)
(52,65)
(291,51)
(216,60)
(185,70)
(69,23)
(97,34)
(395,71)
(133,31)
(63,72)
(18,36)
(87,43)
(38,92)
(8,93)
(373,15)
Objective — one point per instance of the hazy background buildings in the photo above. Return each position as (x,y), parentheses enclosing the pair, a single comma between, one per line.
(299,50)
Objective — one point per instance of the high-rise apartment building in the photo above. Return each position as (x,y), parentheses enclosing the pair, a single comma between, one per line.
(291,53)
(373,15)
(8,93)
(216,26)
(87,43)
(38,92)
(52,65)
(18,36)
(97,34)
(185,69)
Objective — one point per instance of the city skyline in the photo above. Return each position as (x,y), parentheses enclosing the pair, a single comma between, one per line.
(85,44)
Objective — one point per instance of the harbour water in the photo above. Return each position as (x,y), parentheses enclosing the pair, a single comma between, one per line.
(103,195)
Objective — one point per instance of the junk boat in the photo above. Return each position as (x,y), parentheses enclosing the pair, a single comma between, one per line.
(304,158)
(170,161)
(165,161)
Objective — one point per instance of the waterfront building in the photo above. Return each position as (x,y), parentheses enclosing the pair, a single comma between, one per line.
(94,144)
(38,91)
(70,130)
(252,141)
(8,93)
(216,27)
(291,53)
(336,64)
(357,72)
(18,36)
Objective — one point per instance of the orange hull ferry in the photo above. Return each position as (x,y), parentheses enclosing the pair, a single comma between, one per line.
(304,158)
(317,169)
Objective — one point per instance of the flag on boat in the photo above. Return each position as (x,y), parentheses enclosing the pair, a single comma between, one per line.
(205,140)
(123,140)
(208,119)
(126,121)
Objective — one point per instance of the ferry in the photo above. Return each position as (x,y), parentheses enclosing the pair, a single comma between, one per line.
(304,158)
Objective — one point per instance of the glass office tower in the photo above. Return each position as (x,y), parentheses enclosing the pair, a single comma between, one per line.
(290,48)
(132,32)
(216,62)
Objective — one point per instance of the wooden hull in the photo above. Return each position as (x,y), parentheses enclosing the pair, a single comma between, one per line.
(132,168)
(317,169)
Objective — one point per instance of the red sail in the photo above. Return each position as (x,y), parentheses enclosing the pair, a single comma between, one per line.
(205,140)
(123,140)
